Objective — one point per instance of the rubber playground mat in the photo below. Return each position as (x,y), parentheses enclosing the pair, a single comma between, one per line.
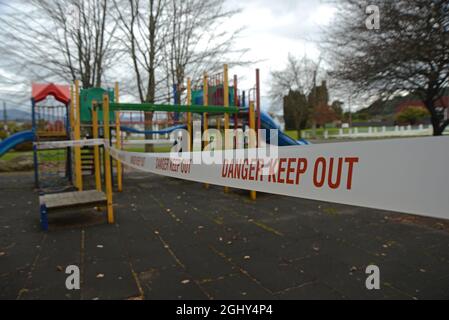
(178,240)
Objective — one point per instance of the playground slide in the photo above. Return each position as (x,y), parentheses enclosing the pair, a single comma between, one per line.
(164,131)
(266,120)
(268,123)
(14,140)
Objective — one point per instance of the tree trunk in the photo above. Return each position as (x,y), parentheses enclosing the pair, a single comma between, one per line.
(436,127)
(151,88)
(148,127)
(434,118)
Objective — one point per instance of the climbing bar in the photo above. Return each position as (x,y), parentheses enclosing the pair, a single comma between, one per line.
(149,107)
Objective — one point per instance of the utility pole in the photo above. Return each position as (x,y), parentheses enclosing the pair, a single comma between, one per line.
(5,118)
(350,112)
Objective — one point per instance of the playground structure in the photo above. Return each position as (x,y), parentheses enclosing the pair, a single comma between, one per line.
(52,168)
(63,126)
(90,122)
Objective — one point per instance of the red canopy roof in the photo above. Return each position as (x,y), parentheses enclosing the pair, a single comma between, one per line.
(40,91)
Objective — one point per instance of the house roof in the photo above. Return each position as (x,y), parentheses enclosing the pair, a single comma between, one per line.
(40,91)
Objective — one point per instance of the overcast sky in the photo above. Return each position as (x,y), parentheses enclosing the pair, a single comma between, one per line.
(273,29)
(276,28)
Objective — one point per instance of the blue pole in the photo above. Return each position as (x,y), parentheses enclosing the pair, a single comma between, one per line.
(69,152)
(34,130)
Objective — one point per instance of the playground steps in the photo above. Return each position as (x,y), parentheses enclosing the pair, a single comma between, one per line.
(87,161)
(51,203)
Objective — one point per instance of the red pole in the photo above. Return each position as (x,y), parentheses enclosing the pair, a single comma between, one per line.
(236,102)
(258,103)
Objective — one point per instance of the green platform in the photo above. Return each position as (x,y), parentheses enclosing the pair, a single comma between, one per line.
(87,96)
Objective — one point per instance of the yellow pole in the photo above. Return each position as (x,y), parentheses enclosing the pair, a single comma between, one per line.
(107,158)
(72,112)
(118,143)
(96,148)
(77,133)
(189,114)
(205,120)
(226,104)
(252,139)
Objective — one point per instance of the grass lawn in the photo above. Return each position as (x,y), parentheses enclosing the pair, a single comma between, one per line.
(158,149)
(13,154)
(49,155)
(57,154)
(319,132)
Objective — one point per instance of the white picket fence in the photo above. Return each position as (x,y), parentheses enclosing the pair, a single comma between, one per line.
(377,132)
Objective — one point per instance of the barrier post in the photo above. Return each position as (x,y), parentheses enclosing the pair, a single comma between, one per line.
(252,137)
(118,143)
(226,116)
(71,133)
(258,104)
(96,148)
(107,158)
(189,114)
(77,136)
(236,103)
(205,117)
(72,112)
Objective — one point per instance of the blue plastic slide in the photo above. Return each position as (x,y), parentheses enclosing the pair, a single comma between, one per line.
(164,131)
(267,122)
(14,140)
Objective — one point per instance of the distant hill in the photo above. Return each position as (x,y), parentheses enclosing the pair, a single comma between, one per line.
(388,108)
(16,115)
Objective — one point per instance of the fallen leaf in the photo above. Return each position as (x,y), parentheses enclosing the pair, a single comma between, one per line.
(100,275)
(59,268)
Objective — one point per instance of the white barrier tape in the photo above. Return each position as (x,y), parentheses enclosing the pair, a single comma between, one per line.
(404,175)
(94,142)
(68,143)
(138,142)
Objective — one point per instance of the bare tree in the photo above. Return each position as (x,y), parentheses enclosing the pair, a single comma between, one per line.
(292,87)
(166,39)
(299,74)
(143,25)
(408,53)
(198,41)
(59,39)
